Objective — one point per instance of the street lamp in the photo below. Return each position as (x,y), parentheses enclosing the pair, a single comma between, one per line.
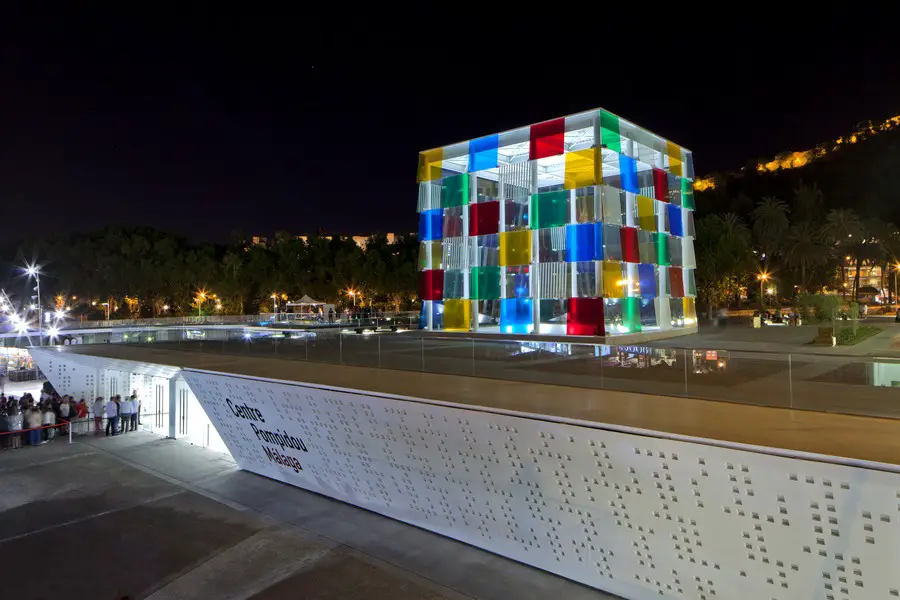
(352,294)
(106,306)
(35,271)
(763,278)
(275,305)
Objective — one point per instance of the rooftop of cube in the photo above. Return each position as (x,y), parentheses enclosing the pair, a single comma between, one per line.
(554,138)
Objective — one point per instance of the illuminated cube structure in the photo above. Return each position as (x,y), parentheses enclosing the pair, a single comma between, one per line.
(581,225)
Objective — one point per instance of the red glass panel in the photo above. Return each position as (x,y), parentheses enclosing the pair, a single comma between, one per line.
(547,138)
(676,282)
(661,185)
(585,316)
(431,285)
(484,218)
(630,251)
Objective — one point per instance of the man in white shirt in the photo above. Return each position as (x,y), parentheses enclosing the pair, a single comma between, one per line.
(98,408)
(125,413)
(112,416)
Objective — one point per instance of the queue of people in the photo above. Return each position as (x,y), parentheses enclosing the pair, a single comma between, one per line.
(26,421)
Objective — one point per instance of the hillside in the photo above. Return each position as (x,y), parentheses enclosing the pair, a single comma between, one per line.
(859,171)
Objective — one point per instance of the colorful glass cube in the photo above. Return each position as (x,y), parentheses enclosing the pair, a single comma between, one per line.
(584,316)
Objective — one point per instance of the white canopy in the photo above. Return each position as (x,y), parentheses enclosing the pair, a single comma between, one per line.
(306,301)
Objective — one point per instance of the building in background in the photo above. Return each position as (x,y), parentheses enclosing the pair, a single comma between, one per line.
(359,240)
(581,225)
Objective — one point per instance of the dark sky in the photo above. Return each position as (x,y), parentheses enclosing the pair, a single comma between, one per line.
(207,124)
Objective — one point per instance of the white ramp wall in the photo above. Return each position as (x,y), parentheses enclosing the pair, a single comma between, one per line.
(637,515)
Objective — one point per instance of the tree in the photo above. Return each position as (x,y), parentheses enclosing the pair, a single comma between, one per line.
(807,203)
(724,257)
(841,232)
(770,224)
(804,249)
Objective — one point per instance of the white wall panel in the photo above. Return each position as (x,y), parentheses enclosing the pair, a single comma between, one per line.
(638,516)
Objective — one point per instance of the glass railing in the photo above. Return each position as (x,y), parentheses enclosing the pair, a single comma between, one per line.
(821,382)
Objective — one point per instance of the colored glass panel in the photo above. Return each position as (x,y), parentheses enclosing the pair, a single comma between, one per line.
(647,278)
(660,185)
(690,310)
(612,242)
(687,194)
(630,251)
(454,284)
(631,314)
(610,135)
(688,164)
(628,174)
(674,152)
(485,283)
(614,202)
(455,190)
(453,221)
(435,250)
(430,165)
(690,282)
(549,209)
(457,315)
(431,284)
(483,153)
(676,225)
(647,247)
(515,248)
(547,139)
(430,224)
(437,313)
(646,213)
(676,282)
(662,249)
(517,282)
(585,278)
(584,316)
(515,315)
(581,244)
(516,213)
(484,218)
(613,281)
(582,169)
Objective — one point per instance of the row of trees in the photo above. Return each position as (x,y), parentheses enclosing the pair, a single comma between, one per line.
(148,272)
(799,244)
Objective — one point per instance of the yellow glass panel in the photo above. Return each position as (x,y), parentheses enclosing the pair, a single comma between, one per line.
(457,315)
(436,249)
(646,209)
(674,152)
(430,165)
(613,281)
(515,248)
(690,311)
(582,169)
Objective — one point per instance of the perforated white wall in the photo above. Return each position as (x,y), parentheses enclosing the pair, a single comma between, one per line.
(641,517)
(68,377)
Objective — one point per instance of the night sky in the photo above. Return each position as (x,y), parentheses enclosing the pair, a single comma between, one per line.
(214,125)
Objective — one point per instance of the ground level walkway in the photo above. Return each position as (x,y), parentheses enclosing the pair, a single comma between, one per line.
(140,516)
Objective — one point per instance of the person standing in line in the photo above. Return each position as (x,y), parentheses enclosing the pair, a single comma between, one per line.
(33,421)
(4,428)
(135,411)
(81,412)
(48,419)
(65,413)
(98,409)
(15,425)
(125,414)
(112,416)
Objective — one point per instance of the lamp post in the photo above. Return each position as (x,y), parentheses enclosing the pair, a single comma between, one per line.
(35,271)
(106,305)
(763,277)
(896,291)
(275,305)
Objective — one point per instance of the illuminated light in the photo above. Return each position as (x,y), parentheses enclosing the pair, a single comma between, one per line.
(33,270)
(770,291)
(74,297)
(94,303)
(53,331)
(399,330)
(21,328)
(247,335)
(165,307)
(125,336)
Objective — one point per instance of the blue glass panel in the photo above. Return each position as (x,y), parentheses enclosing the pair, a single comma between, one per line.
(598,241)
(628,171)
(437,311)
(431,224)
(676,226)
(647,277)
(580,244)
(483,153)
(515,315)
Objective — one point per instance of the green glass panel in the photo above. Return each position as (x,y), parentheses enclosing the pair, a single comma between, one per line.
(687,194)
(549,209)
(609,131)
(455,190)
(631,314)
(485,283)
(662,249)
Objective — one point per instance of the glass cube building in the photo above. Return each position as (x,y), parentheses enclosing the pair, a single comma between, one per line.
(581,225)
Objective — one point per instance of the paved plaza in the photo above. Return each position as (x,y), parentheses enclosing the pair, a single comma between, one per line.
(139,516)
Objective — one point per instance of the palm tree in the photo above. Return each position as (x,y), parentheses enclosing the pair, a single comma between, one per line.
(804,249)
(770,223)
(842,231)
(807,202)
